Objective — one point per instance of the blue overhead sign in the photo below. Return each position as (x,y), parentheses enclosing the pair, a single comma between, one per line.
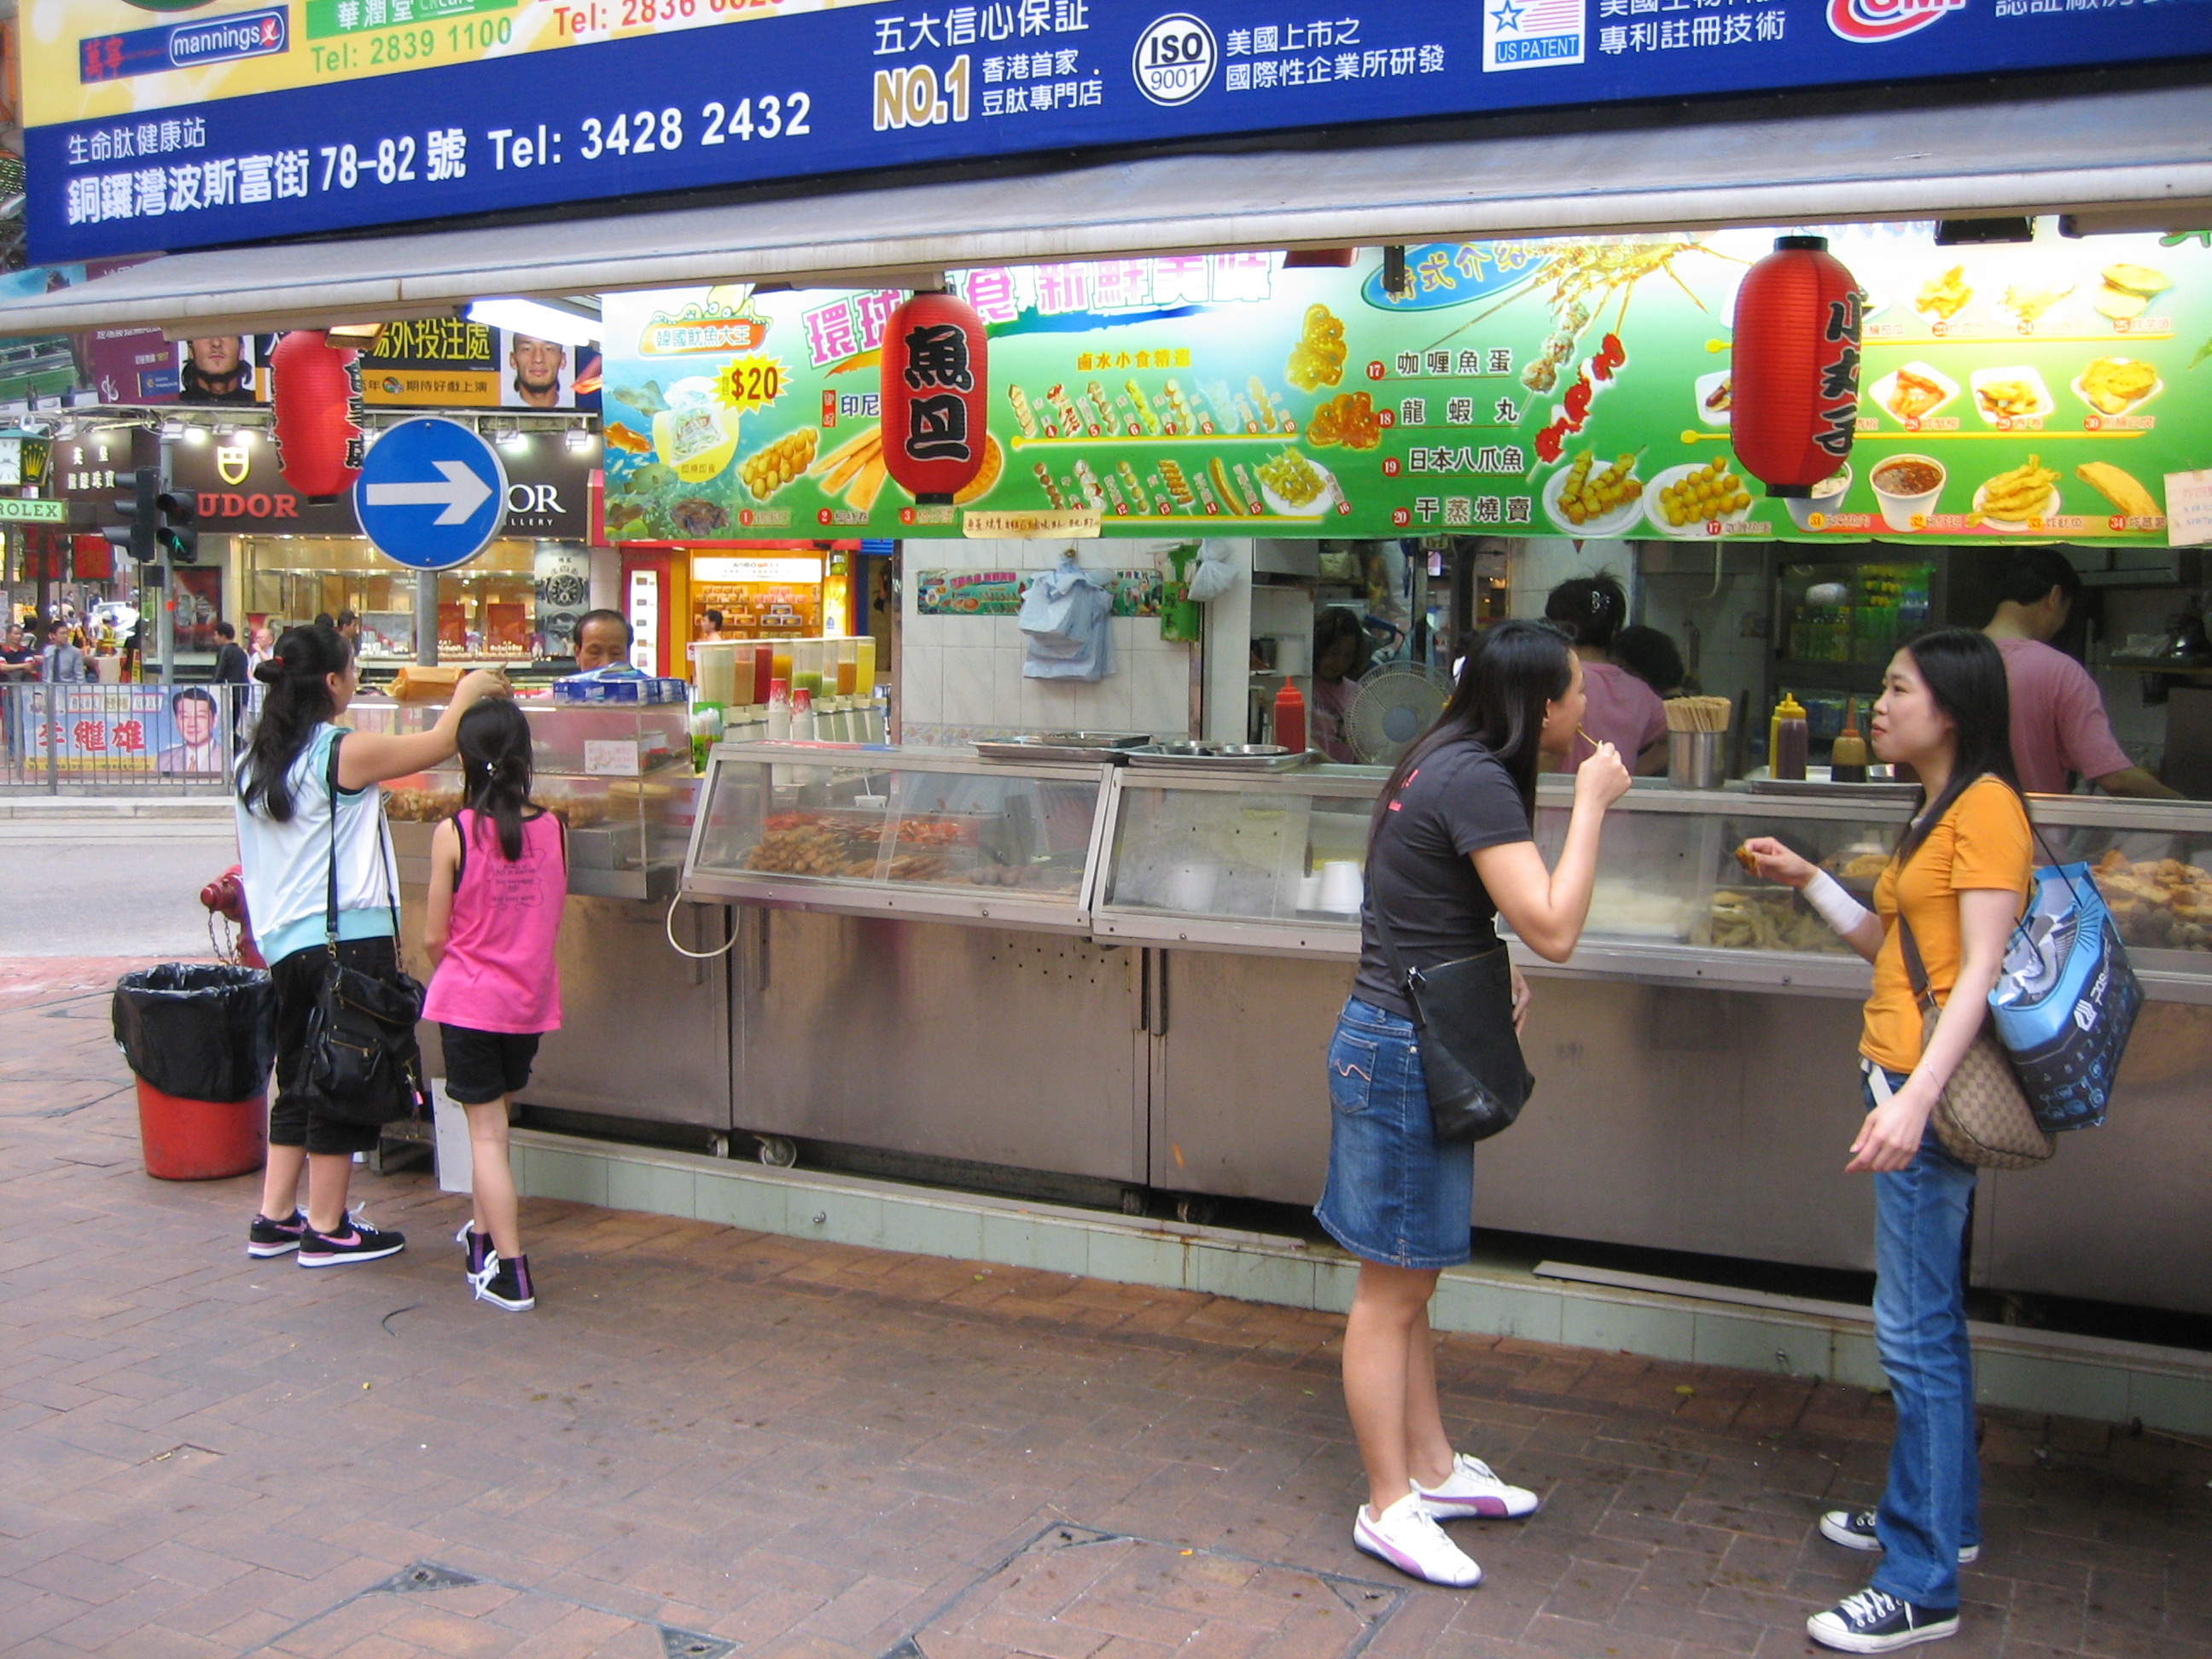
(347,127)
(431,494)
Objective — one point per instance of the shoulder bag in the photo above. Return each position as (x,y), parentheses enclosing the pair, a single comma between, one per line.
(363,1064)
(2067,1000)
(1983,1116)
(1462,1014)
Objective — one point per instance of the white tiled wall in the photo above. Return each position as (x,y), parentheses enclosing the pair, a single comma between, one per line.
(960,677)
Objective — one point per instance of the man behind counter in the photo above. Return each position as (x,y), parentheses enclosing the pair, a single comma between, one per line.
(2058,720)
(603,640)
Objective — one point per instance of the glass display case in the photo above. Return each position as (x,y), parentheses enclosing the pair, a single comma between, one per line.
(874,831)
(620,778)
(1230,861)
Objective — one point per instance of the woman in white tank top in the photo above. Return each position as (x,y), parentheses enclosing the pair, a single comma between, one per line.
(286,811)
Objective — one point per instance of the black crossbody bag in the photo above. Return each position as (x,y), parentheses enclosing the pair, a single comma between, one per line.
(363,1065)
(1462,1014)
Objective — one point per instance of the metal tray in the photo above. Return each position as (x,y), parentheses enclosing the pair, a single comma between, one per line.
(1821,787)
(1217,757)
(1107,746)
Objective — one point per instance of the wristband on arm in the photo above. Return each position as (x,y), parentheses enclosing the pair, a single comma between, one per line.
(1834,905)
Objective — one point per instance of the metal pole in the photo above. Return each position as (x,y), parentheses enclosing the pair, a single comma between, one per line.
(165,628)
(426,618)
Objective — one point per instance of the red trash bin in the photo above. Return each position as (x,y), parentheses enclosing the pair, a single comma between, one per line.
(201,1140)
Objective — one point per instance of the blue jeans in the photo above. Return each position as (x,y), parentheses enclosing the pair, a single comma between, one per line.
(1932,1506)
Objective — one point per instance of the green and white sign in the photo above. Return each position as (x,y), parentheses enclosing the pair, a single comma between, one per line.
(1529,388)
(18,510)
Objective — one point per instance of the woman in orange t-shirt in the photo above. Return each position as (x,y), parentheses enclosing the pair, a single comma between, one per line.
(1959,880)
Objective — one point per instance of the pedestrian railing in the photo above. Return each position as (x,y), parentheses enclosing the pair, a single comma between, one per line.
(84,739)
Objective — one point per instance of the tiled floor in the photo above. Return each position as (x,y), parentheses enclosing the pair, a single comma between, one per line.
(709,1442)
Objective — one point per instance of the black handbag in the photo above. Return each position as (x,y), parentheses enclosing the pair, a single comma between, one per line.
(363,1064)
(1462,1014)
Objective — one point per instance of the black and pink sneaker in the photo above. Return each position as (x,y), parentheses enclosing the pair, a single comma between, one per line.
(506,1284)
(357,1242)
(478,1246)
(267,1238)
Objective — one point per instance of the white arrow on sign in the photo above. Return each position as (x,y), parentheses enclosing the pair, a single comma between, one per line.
(463,492)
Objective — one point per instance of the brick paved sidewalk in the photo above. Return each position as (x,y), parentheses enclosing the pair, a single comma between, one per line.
(714,1443)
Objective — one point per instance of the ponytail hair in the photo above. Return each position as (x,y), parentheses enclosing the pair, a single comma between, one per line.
(494,739)
(298,701)
(1591,609)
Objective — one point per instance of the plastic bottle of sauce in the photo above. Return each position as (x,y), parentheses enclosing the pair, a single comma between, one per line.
(1847,762)
(1787,739)
(1290,718)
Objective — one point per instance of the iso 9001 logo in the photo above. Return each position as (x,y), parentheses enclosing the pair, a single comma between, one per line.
(1175,59)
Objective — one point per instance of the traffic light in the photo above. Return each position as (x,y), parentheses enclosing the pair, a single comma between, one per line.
(141,512)
(176,533)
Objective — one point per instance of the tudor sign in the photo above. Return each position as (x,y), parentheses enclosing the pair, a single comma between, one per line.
(238,490)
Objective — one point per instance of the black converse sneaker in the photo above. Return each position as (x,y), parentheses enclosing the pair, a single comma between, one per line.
(506,1285)
(478,1245)
(267,1238)
(354,1242)
(1854,1530)
(1875,1621)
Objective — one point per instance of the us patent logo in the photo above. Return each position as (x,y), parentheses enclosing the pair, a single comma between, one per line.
(1871,21)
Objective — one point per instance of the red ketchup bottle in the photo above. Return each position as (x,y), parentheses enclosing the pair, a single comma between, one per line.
(1290,719)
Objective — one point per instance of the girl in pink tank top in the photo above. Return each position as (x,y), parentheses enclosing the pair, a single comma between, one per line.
(499,875)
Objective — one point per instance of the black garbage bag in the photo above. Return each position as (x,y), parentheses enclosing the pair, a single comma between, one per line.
(199,1030)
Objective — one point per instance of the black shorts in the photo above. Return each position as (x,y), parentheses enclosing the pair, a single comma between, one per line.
(295,1120)
(482,1066)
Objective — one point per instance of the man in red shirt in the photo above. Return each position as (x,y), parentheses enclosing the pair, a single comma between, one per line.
(2058,720)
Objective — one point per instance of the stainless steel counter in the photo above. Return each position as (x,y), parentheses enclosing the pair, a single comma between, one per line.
(1121,978)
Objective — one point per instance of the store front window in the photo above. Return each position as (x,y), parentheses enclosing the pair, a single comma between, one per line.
(491,608)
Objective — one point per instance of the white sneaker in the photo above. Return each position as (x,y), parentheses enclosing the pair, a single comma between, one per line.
(1408,1538)
(1472,1489)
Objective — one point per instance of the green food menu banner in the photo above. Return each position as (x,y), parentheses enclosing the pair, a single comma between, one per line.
(1523,388)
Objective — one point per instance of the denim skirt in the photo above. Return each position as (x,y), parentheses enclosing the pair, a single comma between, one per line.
(1393,1195)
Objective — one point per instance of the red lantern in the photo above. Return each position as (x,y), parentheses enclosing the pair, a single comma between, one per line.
(936,390)
(315,392)
(1795,391)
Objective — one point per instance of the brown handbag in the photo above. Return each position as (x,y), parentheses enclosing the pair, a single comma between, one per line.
(1983,1116)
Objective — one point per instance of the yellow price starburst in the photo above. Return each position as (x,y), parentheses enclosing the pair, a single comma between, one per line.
(751,382)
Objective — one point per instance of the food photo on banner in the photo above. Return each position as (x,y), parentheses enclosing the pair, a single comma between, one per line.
(1581,388)
(144,131)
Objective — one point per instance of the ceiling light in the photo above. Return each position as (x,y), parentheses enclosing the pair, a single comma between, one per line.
(195,435)
(238,435)
(570,323)
(512,439)
(579,438)
(173,430)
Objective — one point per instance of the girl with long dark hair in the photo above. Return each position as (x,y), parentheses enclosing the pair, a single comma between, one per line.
(1452,848)
(1957,883)
(289,823)
(1621,708)
(499,873)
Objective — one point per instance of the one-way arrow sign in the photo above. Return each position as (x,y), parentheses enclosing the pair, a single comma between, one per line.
(425,463)
(462,494)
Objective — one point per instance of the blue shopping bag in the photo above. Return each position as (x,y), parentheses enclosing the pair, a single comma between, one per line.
(2067,999)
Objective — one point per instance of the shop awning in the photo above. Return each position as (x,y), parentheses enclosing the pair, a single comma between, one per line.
(2145,156)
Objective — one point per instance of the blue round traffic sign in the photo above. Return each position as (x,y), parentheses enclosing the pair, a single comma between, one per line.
(431,494)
